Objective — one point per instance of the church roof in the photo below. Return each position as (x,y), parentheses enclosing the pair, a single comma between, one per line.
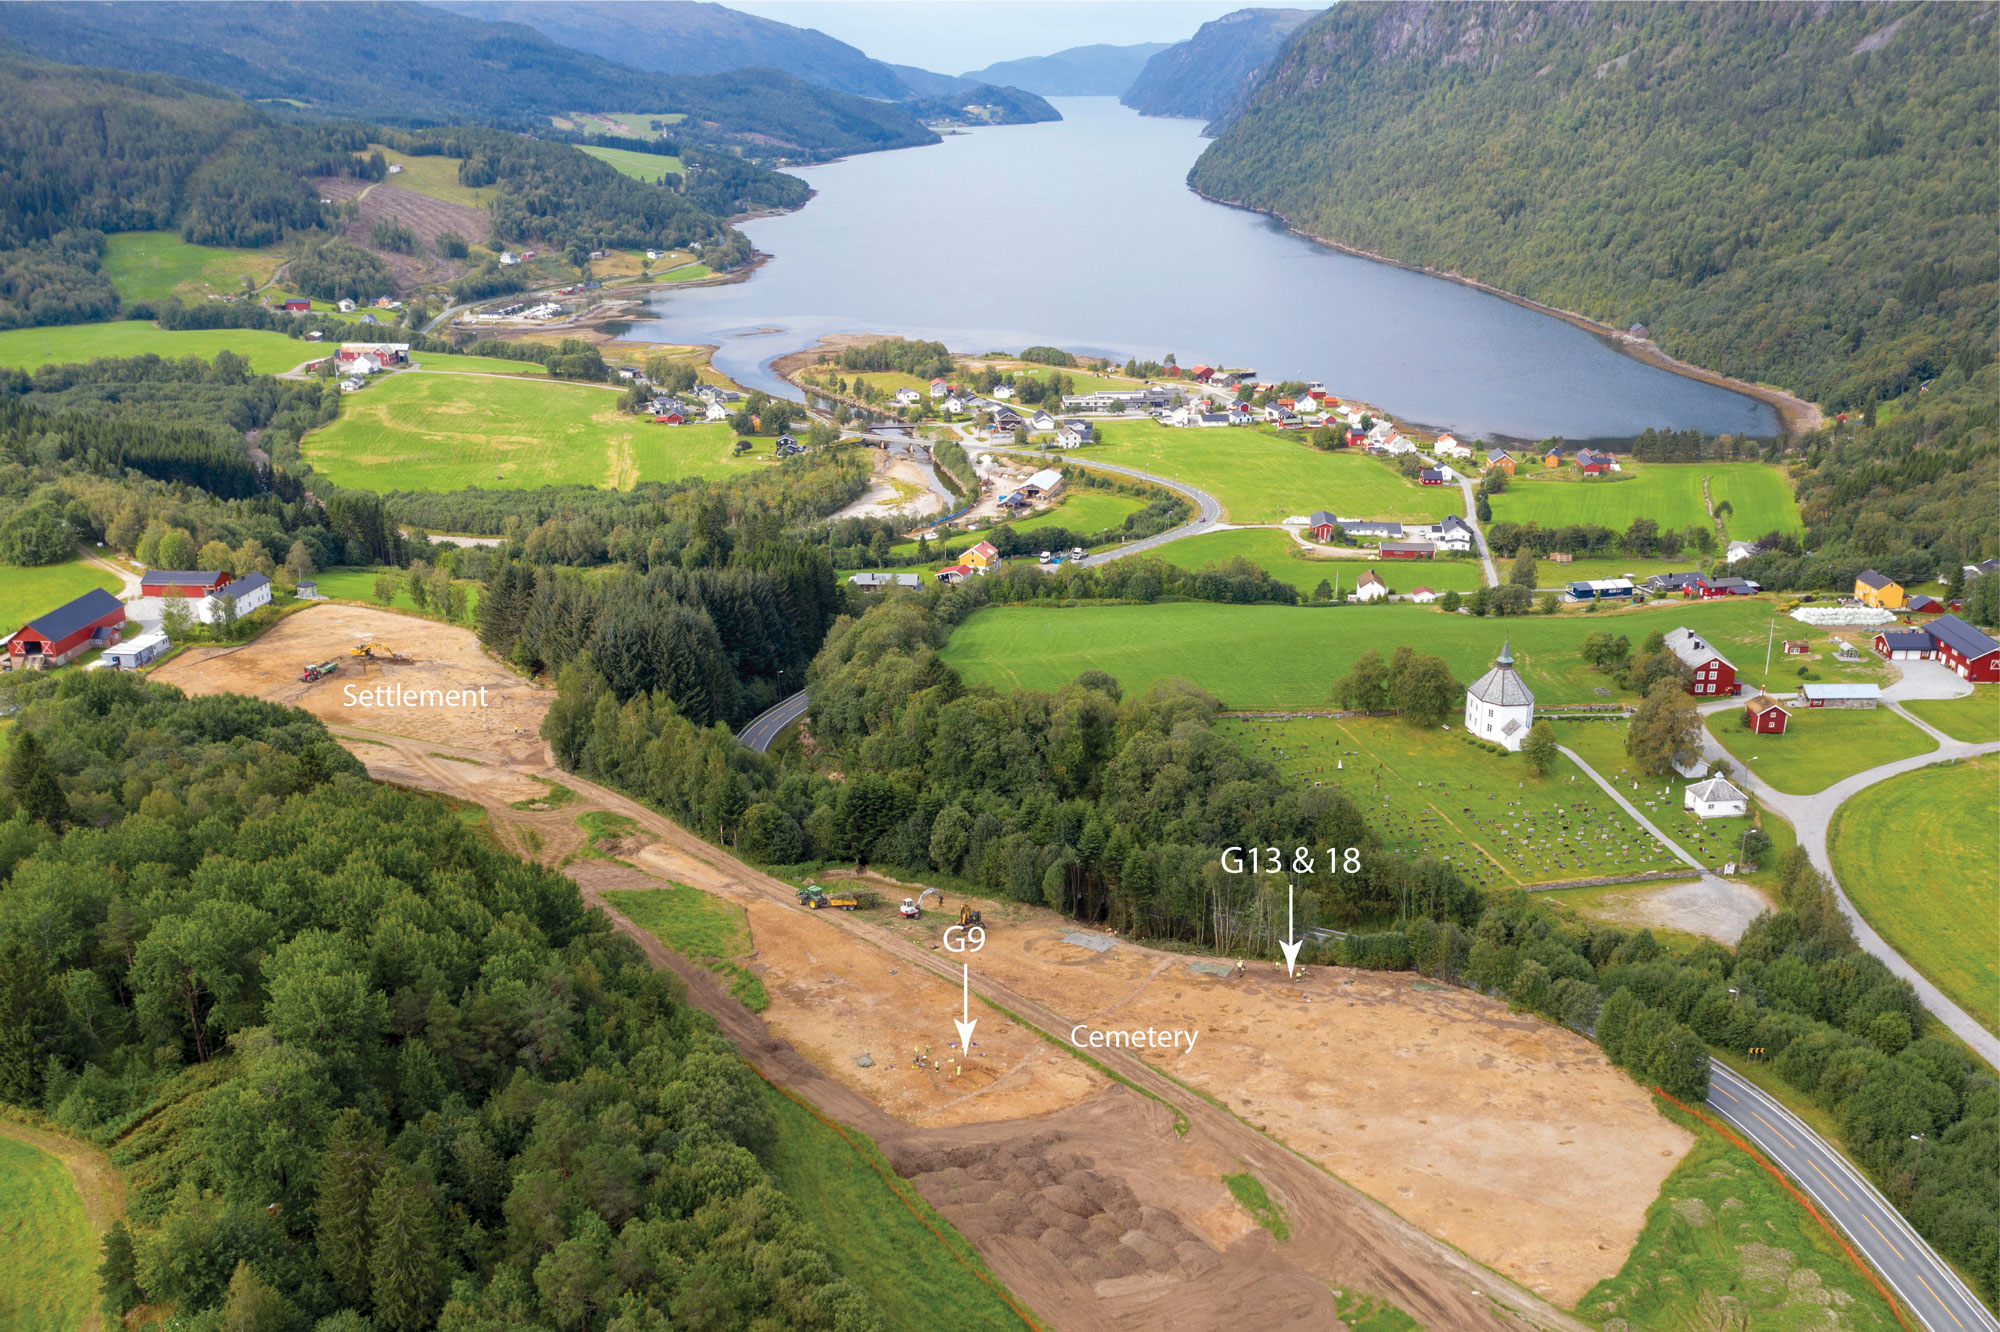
(1503,686)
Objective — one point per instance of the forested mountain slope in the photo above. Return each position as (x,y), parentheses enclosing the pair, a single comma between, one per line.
(414,64)
(1211,73)
(689,37)
(1792,193)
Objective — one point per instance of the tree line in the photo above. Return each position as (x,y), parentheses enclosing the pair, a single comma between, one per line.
(371,1072)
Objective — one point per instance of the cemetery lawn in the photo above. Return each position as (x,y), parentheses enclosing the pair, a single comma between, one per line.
(1820,746)
(1668,493)
(1264,478)
(1274,551)
(1974,718)
(1289,656)
(447,432)
(1433,791)
(1713,842)
(153,265)
(1884,842)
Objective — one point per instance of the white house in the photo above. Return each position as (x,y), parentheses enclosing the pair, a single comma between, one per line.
(939,388)
(1004,392)
(1042,421)
(1741,550)
(1423,596)
(715,411)
(1075,432)
(953,403)
(130,656)
(1715,799)
(250,591)
(1369,588)
(1499,706)
(345,306)
(1447,447)
(909,397)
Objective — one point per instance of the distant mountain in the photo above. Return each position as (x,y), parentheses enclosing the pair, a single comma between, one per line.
(687,37)
(925,83)
(984,104)
(1081,71)
(1210,75)
(401,63)
(1789,192)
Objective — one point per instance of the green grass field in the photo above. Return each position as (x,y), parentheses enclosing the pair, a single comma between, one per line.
(640,166)
(435,363)
(1820,746)
(436,176)
(445,432)
(153,265)
(1083,511)
(1668,493)
(359,585)
(1886,843)
(26,594)
(1274,551)
(1284,656)
(1974,718)
(267,352)
(1431,792)
(48,1257)
(1265,478)
(918,1282)
(1725,1247)
(703,929)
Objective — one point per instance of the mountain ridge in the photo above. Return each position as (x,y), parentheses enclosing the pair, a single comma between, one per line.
(1212,73)
(1098,70)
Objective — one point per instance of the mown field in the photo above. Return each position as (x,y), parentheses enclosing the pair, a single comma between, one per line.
(1429,791)
(1820,746)
(1668,493)
(1975,718)
(1887,843)
(1284,656)
(436,176)
(48,1257)
(446,432)
(359,585)
(1277,554)
(267,352)
(705,930)
(26,594)
(1265,478)
(639,166)
(1725,1246)
(153,265)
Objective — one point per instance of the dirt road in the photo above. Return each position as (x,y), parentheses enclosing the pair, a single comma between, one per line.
(1102,1205)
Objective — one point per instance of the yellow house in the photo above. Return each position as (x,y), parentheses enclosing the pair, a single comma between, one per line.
(1878,590)
(982,556)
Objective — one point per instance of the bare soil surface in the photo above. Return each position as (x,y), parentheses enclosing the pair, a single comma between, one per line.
(429,218)
(1511,1140)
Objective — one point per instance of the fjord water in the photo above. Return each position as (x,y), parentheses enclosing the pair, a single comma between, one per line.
(1083,234)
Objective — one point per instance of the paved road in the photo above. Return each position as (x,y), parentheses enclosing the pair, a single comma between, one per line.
(1208,509)
(1811,816)
(1928,1288)
(761,730)
(1478,532)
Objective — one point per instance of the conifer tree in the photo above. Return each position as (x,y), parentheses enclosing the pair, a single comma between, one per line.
(404,1267)
(356,1155)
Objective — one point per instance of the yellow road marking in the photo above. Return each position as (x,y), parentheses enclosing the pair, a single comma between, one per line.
(1829,1179)
(1725,1092)
(1885,1239)
(1934,1295)
(1781,1137)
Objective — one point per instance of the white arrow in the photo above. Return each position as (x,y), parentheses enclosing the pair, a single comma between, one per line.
(968,1022)
(1295,943)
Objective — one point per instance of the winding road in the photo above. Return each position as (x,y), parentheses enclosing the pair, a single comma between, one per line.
(1924,1283)
(1208,509)
(758,733)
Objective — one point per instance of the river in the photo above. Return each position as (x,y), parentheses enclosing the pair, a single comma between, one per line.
(1083,234)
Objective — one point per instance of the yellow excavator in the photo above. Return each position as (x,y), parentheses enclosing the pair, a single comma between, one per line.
(381,650)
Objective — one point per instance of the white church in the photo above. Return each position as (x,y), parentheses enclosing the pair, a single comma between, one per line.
(1499,706)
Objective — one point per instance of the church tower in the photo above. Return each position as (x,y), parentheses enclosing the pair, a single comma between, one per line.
(1499,706)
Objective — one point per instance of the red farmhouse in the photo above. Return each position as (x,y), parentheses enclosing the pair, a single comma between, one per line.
(67,630)
(1972,654)
(182,582)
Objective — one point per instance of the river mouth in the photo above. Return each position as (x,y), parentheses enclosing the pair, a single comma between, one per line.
(1083,234)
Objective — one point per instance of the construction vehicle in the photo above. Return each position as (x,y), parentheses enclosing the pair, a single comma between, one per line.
(966,915)
(910,909)
(386,652)
(319,671)
(853,899)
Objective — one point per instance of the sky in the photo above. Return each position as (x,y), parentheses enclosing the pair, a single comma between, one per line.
(954,36)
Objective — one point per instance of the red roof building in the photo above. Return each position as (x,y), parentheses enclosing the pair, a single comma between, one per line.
(1765,715)
(57,637)
(182,582)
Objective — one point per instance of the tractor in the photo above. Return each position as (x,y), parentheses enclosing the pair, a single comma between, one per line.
(818,899)
(319,671)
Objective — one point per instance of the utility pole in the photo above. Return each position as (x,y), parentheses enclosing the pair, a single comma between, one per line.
(1768,636)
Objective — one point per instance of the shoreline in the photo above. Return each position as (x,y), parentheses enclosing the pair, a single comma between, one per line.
(1796,416)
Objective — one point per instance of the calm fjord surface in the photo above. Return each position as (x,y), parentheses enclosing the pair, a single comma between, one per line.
(1083,234)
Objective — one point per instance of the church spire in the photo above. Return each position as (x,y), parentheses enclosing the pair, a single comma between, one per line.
(1506,657)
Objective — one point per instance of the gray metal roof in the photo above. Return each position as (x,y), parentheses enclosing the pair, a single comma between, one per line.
(1503,686)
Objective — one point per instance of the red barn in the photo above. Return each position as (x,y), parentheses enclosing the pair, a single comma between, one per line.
(1323,526)
(669,418)
(57,637)
(182,582)
(1407,550)
(1354,437)
(1765,715)
(1201,374)
(1972,654)
(297,306)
